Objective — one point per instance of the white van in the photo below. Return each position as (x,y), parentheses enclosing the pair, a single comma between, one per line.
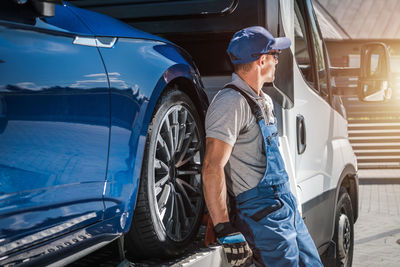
(312,120)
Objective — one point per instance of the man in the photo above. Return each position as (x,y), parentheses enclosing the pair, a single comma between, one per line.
(242,138)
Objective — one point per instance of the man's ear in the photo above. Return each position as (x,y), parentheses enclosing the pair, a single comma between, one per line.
(262,60)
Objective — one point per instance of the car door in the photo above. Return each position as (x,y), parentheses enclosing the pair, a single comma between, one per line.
(54,126)
(314,125)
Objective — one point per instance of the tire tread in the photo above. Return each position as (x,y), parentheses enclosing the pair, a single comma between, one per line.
(142,240)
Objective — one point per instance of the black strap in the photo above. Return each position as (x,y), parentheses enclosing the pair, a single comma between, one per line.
(224,229)
(255,108)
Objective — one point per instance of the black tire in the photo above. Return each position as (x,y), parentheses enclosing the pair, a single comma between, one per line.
(170,201)
(344,230)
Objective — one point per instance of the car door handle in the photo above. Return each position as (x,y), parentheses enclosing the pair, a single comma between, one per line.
(301,134)
(103,42)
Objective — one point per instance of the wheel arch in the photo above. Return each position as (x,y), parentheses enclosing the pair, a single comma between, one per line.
(349,180)
(186,79)
(188,87)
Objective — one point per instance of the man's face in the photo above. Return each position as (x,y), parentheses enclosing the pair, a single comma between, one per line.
(268,67)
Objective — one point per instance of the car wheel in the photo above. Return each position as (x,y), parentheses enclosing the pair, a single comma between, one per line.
(170,202)
(344,230)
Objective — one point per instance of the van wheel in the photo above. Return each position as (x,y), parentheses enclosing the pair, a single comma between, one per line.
(170,201)
(344,230)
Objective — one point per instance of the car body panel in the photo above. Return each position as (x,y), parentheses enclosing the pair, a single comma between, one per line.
(67,248)
(53,150)
(103,25)
(68,21)
(72,135)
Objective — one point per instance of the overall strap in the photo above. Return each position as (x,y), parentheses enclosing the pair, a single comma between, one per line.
(255,108)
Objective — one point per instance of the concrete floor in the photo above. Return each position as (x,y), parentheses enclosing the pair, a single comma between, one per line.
(377,231)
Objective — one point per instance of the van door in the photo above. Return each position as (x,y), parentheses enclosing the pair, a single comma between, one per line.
(314,118)
(54,138)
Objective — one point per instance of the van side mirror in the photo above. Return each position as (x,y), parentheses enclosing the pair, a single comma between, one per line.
(374,79)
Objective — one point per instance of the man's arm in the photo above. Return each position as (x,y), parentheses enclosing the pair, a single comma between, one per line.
(236,248)
(214,186)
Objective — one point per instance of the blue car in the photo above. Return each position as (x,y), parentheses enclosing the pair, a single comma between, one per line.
(101,137)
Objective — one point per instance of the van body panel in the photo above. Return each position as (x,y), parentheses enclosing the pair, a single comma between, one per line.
(314,166)
(290,169)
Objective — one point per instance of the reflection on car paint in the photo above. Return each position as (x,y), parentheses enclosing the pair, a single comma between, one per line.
(73,125)
(8,247)
(53,151)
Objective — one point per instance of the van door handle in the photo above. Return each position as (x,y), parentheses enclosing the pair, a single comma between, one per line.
(301,134)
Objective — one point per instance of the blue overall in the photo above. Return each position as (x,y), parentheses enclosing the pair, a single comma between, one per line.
(267,215)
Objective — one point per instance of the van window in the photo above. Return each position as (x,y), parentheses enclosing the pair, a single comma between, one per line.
(301,45)
(319,54)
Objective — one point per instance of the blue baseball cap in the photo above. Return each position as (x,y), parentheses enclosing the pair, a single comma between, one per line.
(247,44)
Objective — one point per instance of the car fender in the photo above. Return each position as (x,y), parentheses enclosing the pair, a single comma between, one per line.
(177,71)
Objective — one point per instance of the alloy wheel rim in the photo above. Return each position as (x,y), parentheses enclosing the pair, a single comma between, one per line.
(177,172)
(344,236)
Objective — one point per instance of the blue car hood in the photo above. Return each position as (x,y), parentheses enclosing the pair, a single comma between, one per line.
(102,25)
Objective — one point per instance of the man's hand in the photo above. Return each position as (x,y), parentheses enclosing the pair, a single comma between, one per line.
(235,246)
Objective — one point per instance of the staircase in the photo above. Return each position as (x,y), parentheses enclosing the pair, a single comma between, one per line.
(374,132)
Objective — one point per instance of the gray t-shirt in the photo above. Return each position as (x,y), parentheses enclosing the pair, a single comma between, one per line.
(229,119)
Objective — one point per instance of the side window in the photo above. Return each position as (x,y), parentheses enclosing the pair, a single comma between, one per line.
(301,45)
(319,54)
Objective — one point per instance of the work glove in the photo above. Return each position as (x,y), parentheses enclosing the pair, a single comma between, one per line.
(235,246)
